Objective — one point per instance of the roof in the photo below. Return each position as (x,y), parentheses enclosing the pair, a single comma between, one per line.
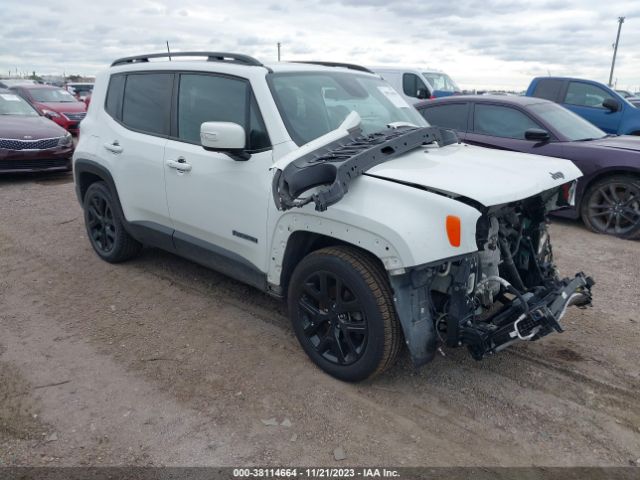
(223,61)
(503,99)
(38,86)
(230,68)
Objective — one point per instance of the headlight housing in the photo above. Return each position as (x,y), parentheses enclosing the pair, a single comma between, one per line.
(65,141)
(49,113)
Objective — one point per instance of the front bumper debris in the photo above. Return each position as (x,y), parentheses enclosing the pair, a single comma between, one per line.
(542,315)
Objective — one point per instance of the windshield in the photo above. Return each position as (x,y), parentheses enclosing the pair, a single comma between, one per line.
(441,81)
(53,95)
(315,103)
(567,123)
(11,104)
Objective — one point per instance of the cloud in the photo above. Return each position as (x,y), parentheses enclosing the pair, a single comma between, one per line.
(480,43)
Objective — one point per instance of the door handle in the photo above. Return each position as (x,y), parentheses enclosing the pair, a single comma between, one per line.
(181,165)
(113,147)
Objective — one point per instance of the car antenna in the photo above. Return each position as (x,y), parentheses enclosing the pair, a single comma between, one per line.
(168,50)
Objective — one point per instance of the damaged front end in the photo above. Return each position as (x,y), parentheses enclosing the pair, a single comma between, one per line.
(508,291)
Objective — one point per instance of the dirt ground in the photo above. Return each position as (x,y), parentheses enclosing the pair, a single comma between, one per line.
(161,362)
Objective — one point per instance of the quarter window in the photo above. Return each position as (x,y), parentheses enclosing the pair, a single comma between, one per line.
(501,121)
(113,105)
(147,102)
(411,83)
(453,116)
(210,98)
(586,95)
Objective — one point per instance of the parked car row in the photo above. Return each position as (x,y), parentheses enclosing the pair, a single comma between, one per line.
(542,122)
(608,193)
(28,140)
(54,103)
(37,122)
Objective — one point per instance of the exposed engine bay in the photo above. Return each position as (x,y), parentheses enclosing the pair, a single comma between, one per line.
(508,291)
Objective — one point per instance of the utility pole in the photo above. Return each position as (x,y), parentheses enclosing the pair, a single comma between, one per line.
(615,50)
(278,51)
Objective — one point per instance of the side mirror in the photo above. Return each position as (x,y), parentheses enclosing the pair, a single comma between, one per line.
(225,137)
(611,104)
(537,134)
(422,93)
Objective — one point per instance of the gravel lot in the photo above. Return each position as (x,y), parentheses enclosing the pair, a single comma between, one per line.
(161,362)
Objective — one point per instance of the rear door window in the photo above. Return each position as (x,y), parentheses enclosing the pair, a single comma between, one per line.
(453,116)
(147,102)
(548,88)
(501,121)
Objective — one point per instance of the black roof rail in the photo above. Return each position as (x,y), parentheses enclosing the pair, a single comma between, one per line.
(351,66)
(211,57)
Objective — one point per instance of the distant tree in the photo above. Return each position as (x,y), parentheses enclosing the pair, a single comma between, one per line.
(74,78)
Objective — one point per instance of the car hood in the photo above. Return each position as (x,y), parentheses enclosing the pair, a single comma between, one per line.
(71,107)
(621,142)
(488,176)
(491,177)
(20,127)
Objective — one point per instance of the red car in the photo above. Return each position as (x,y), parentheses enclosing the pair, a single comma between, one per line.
(54,103)
(28,141)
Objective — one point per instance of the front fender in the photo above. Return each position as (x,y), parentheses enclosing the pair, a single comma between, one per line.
(401,225)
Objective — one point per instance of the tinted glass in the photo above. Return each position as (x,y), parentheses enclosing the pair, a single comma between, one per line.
(501,121)
(113,105)
(411,83)
(312,104)
(452,116)
(586,95)
(209,98)
(147,102)
(549,89)
(565,122)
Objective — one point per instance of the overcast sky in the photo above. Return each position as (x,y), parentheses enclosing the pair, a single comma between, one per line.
(480,43)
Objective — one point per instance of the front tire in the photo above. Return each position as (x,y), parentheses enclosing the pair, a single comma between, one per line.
(612,206)
(105,226)
(341,308)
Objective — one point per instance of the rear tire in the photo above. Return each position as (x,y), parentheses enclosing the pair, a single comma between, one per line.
(612,206)
(105,226)
(341,307)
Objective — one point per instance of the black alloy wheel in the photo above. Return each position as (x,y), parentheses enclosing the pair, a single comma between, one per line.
(342,311)
(612,206)
(333,319)
(105,225)
(100,223)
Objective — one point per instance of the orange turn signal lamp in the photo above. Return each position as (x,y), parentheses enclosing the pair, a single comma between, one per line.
(454,230)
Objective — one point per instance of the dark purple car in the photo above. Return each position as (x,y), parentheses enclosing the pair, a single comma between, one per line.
(608,195)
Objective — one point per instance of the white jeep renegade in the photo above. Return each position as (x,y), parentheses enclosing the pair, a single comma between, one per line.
(318,183)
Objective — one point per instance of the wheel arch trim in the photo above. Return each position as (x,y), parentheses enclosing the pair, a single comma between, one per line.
(290,226)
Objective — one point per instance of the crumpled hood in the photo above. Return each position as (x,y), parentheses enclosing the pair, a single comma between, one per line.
(491,177)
